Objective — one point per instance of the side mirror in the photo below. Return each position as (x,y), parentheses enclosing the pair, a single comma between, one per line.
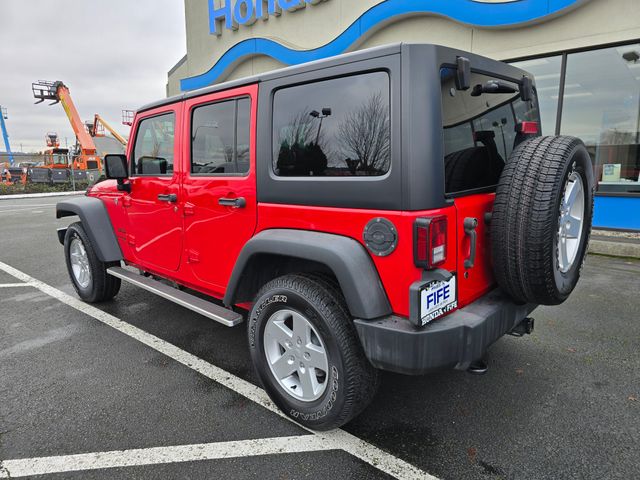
(116,167)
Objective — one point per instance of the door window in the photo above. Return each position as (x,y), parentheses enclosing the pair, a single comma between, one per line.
(220,138)
(153,151)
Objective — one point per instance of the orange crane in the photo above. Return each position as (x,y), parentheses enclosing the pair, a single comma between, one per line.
(87,157)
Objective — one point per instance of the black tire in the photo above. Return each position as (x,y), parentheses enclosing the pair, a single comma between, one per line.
(526,219)
(351,381)
(102,286)
(474,167)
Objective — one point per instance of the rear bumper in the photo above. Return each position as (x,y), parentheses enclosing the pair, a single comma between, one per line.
(394,344)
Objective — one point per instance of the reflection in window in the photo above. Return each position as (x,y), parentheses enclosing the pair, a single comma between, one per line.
(480,130)
(338,127)
(153,151)
(546,72)
(602,107)
(220,138)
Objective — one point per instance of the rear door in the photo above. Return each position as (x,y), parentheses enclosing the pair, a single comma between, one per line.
(481,129)
(220,212)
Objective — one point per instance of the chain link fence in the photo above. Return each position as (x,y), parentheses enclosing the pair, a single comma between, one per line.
(39,173)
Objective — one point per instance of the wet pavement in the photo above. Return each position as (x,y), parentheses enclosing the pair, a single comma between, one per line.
(563,402)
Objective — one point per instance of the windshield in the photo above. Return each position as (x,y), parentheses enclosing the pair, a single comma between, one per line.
(480,128)
(59,159)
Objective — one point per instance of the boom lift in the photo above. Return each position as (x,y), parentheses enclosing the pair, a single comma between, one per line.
(55,157)
(87,158)
(127,117)
(97,128)
(5,135)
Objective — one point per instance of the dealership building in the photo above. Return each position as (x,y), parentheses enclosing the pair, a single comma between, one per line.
(584,54)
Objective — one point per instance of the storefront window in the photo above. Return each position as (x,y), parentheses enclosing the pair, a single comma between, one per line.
(602,107)
(547,75)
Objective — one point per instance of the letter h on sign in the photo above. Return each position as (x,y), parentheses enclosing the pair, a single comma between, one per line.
(246,12)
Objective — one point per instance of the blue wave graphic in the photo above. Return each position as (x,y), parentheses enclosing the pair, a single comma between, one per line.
(464,11)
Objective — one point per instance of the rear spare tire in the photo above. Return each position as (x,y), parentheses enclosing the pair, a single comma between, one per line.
(541,219)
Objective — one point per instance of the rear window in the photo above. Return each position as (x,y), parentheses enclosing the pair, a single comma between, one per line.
(480,129)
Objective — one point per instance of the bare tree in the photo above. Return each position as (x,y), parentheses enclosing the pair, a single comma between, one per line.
(365,135)
(299,130)
(300,151)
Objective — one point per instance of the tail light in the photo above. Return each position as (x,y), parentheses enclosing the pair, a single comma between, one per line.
(527,128)
(430,242)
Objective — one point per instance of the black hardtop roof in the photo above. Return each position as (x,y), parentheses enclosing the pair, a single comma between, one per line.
(342,59)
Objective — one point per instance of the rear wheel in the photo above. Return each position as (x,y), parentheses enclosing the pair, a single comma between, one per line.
(307,354)
(542,219)
(88,274)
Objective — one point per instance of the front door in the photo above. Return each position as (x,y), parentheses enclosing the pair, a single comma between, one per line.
(219,190)
(154,219)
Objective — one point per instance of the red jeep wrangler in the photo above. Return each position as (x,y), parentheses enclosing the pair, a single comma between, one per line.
(393,209)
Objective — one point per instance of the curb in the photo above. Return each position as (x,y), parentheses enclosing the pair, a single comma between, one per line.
(614,249)
(40,195)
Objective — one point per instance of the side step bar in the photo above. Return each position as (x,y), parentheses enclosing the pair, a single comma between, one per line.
(208,309)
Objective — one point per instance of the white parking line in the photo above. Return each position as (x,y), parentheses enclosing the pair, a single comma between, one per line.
(13,285)
(338,439)
(28,205)
(17,211)
(26,467)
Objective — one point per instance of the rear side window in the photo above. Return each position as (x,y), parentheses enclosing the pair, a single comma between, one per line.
(220,138)
(333,128)
(153,151)
(480,129)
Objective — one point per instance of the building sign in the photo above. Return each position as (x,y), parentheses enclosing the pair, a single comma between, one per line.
(246,12)
(476,13)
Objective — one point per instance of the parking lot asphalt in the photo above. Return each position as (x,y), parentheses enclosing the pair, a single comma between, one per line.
(563,402)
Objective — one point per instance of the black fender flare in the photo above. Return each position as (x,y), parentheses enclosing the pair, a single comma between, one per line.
(95,220)
(344,256)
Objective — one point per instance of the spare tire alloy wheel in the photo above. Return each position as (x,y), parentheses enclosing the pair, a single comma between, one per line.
(570,222)
(306,351)
(541,219)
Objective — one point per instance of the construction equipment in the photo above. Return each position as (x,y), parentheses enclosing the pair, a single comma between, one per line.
(127,117)
(5,135)
(52,139)
(86,158)
(97,128)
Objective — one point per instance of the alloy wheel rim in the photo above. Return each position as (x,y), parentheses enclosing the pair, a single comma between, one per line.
(296,355)
(79,263)
(570,222)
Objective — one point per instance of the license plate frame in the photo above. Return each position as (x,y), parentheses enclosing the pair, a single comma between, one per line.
(437,298)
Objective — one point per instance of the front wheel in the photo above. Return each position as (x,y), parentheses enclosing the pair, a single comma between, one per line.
(307,354)
(88,274)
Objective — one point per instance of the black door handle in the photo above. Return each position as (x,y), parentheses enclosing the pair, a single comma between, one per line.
(469,226)
(169,197)
(239,202)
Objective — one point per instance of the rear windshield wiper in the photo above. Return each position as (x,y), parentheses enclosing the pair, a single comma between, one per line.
(492,86)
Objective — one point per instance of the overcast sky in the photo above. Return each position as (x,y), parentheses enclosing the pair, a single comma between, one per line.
(112,54)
